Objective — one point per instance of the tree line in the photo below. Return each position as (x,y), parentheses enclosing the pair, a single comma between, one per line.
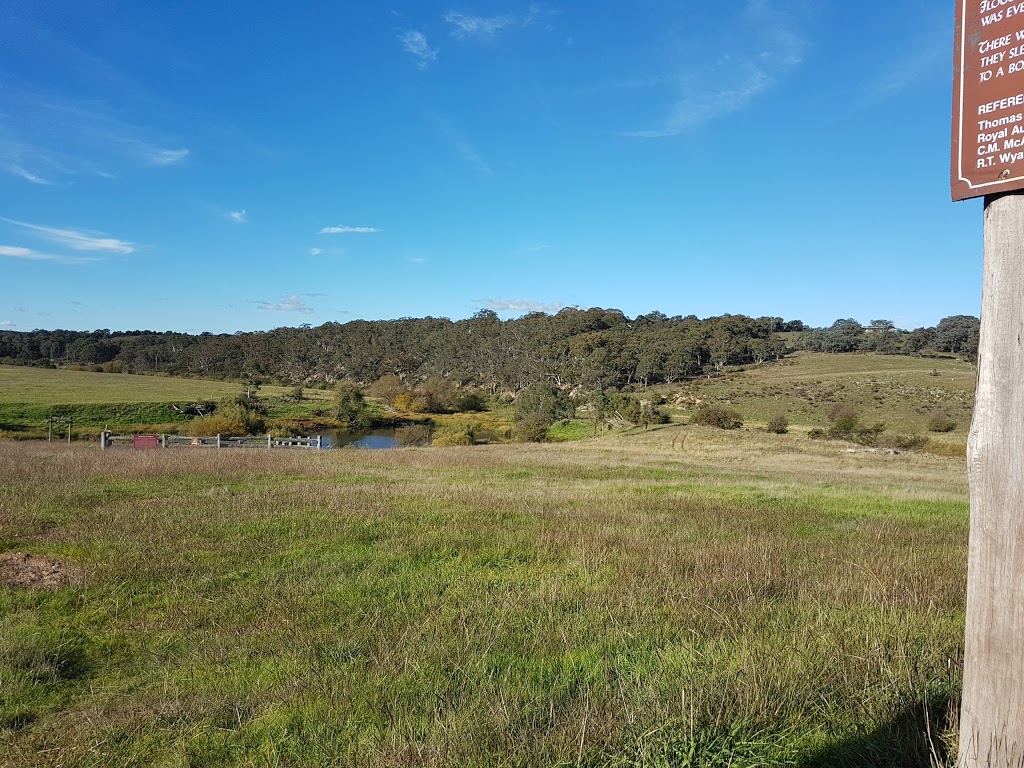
(596,349)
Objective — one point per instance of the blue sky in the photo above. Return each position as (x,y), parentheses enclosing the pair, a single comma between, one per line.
(236,166)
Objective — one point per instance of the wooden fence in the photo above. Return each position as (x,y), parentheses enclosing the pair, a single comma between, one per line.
(110,440)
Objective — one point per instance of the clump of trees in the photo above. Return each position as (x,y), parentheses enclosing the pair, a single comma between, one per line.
(538,407)
(351,408)
(955,335)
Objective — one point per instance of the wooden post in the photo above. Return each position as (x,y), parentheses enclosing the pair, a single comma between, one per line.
(218,441)
(49,433)
(270,442)
(71,421)
(992,709)
(319,442)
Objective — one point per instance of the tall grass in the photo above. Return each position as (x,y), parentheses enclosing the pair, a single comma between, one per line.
(677,598)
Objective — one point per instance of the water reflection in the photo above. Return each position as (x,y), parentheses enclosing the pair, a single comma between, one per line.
(380,439)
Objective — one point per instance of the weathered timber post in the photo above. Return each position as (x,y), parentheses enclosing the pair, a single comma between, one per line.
(270,442)
(992,710)
(218,441)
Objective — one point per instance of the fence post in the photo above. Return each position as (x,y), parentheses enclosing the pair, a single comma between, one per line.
(218,441)
(103,440)
(270,442)
(319,442)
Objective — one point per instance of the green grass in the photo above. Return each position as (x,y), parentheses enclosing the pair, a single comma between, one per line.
(680,597)
(29,396)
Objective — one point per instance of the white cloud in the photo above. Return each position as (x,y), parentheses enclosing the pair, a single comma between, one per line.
(722,74)
(521,305)
(343,230)
(17,170)
(415,43)
(79,241)
(478,26)
(484,27)
(290,303)
(28,254)
(7,324)
(165,157)
(315,251)
(240,217)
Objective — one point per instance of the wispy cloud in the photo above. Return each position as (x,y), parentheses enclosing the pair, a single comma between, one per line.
(29,254)
(521,305)
(478,26)
(485,27)
(724,73)
(17,170)
(56,137)
(315,251)
(164,157)
(291,303)
(343,230)
(462,146)
(239,217)
(415,43)
(79,241)
(7,324)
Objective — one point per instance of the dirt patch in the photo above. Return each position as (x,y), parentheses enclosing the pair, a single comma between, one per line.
(18,569)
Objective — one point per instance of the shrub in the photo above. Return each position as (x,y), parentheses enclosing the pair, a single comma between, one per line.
(407,402)
(718,416)
(453,437)
(941,423)
(532,428)
(900,442)
(471,401)
(845,425)
(778,424)
(217,425)
(817,434)
(538,407)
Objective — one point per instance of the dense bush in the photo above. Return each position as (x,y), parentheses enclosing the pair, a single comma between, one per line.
(778,424)
(718,416)
(538,407)
(845,425)
(941,423)
(900,442)
(351,407)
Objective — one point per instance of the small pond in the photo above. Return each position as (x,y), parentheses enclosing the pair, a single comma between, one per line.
(379,439)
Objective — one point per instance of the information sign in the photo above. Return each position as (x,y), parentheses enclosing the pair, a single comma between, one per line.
(988,98)
(146,441)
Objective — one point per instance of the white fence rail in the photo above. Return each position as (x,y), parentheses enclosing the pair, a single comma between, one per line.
(110,440)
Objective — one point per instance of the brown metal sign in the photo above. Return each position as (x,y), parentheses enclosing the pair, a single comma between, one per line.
(988,98)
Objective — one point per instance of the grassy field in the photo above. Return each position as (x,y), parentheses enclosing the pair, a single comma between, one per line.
(28,396)
(684,597)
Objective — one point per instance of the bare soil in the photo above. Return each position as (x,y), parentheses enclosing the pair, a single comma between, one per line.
(19,569)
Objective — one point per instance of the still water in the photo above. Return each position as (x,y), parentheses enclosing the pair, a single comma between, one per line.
(379,439)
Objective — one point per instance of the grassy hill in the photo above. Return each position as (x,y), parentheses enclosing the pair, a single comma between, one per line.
(903,392)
